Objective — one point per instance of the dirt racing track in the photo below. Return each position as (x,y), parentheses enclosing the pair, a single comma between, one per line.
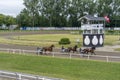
(105,53)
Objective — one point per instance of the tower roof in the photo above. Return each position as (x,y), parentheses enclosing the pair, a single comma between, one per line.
(92,18)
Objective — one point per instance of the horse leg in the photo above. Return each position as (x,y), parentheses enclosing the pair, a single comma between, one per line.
(73,51)
(41,53)
(67,50)
(87,52)
(37,53)
(94,53)
(45,53)
(84,53)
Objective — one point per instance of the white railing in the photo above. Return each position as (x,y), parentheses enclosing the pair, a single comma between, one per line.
(20,76)
(66,55)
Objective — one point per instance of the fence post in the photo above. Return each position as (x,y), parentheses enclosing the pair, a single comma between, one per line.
(23,52)
(0,72)
(43,78)
(37,78)
(8,50)
(19,51)
(18,76)
(13,51)
(70,55)
(53,55)
(88,57)
(107,58)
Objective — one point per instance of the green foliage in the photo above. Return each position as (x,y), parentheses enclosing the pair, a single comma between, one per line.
(64,41)
(7,20)
(117,49)
(112,32)
(68,69)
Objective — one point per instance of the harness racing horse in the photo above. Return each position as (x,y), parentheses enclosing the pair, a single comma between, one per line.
(88,50)
(50,48)
(73,49)
(69,49)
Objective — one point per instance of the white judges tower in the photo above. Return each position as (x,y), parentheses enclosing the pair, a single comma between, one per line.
(93,31)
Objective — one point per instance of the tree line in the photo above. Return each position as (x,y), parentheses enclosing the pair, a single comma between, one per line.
(7,20)
(59,13)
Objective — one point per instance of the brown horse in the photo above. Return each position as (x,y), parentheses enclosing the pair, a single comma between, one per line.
(89,50)
(50,48)
(73,49)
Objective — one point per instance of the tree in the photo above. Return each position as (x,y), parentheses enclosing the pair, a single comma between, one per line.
(2,19)
(24,18)
(7,20)
(32,6)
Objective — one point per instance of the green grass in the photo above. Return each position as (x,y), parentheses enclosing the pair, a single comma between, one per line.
(48,39)
(54,38)
(68,69)
(41,40)
(117,49)
(112,40)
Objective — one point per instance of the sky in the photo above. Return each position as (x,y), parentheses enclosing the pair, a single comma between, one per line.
(11,7)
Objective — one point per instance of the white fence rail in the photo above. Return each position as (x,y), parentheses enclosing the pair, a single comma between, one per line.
(66,55)
(20,76)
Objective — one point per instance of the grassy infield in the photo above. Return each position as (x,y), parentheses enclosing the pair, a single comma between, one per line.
(58,67)
(48,39)
(69,69)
